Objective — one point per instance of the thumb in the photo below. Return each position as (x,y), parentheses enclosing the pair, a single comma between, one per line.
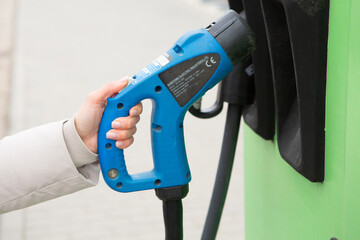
(111,88)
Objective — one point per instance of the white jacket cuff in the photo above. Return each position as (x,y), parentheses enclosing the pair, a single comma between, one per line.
(78,151)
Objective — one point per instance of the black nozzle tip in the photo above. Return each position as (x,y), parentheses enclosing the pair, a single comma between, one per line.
(234,35)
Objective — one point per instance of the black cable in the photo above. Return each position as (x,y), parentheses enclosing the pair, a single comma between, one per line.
(224,172)
(173,210)
(173,219)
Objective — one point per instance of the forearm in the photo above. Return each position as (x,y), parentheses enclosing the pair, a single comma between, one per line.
(39,164)
(52,160)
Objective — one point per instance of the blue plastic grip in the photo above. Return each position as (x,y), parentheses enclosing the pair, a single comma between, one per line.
(169,155)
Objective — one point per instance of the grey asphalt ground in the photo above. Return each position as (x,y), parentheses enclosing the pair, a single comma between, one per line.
(64,50)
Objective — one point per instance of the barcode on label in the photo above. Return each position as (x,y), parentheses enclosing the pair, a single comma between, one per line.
(154,66)
(162,60)
(146,71)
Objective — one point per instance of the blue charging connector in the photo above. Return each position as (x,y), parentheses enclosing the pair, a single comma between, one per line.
(173,81)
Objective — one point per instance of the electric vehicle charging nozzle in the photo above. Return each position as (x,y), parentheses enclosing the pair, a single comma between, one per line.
(174,81)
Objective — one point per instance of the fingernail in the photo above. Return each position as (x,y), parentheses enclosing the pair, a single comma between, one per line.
(116,124)
(133,112)
(119,144)
(111,135)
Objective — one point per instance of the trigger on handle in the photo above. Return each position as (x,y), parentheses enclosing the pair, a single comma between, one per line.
(212,111)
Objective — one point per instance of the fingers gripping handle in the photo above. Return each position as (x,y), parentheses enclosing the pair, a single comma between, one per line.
(169,156)
(112,158)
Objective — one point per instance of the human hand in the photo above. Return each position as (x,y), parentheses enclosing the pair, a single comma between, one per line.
(87,119)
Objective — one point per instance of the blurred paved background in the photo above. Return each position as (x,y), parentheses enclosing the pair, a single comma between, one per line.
(7,13)
(65,49)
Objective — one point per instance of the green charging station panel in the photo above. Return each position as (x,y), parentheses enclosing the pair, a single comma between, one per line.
(281,204)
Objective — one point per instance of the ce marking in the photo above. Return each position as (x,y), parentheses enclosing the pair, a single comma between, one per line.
(212,61)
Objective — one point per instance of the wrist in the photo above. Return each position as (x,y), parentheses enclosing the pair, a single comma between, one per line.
(88,139)
(80,153)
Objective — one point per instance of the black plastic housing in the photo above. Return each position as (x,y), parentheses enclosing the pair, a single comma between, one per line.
(238,86)
(290,78)
(234,36)
(260,115)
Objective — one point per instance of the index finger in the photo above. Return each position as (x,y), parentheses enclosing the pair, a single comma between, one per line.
(136,110)
(111,88)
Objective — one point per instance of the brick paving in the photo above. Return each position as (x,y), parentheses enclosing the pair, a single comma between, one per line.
(65,49)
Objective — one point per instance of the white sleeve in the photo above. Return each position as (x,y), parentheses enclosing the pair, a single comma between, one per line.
(43,163)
